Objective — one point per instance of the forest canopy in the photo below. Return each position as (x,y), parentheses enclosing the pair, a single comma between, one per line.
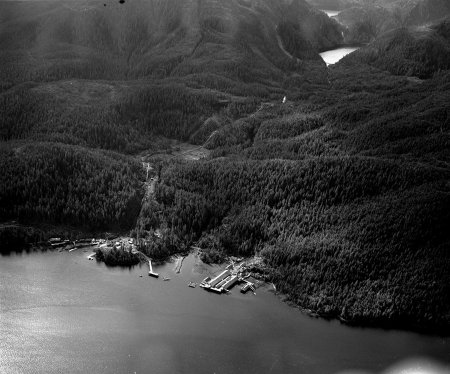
(69,185)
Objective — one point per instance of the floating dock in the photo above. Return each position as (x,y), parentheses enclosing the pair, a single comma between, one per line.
(150,271)
(55,244)
(205,283)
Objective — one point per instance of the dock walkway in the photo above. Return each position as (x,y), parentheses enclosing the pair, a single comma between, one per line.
(150,267)
(227,279)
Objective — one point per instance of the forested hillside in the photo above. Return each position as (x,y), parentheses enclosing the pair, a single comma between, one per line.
(127,78)
(363,20)
(345,196)
(345,4)
(342,187)
(342,236)
(60,184)
(122,76)
(409,51)
(122,116)
(47,41)
(365,23)
(426,11)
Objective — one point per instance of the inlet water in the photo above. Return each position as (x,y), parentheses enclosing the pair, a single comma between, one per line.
(333,56)
(331,13)
(60,313)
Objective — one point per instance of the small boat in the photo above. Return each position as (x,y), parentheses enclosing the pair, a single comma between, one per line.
(192,284)
(140,276)
(205,283)
(166,279)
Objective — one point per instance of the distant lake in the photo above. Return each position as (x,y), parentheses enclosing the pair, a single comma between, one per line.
(334,55)
(331,13)
(60,313)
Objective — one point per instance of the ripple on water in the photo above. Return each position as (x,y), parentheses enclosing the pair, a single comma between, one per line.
(66,314)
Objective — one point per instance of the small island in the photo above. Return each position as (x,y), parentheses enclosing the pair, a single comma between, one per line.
(116,257)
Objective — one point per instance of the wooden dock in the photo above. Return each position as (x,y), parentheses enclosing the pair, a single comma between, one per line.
(151,273)
(227,279)
(150,270)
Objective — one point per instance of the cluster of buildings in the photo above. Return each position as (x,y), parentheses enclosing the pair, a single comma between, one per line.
(124,244)
(227,279)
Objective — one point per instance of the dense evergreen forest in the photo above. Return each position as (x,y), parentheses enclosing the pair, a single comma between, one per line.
(343,189)
(410,51)
(117,257)
(345,196)
(50,182)
(342,235)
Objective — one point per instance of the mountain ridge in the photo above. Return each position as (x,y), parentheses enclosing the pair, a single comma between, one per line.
(336,177)
(159,39)
(413,51)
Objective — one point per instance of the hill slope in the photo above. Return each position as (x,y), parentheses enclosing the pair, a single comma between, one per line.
(366,20)
(342,190)
(365,23)
(426,11)
(195,54)
(175,38)
(345,196)
(414,52)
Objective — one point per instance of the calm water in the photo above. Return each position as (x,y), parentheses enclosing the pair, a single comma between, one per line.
(334,55)
(60,313)
(331,13)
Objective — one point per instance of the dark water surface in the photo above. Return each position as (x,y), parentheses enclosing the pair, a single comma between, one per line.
(60,313)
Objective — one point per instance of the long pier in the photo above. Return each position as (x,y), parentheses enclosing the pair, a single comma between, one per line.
(151,272)
(150,267)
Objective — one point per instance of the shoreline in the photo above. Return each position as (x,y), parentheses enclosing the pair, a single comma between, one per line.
(343,45)
(258,273)
(437,331)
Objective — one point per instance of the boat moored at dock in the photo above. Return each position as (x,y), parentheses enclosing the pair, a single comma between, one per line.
(227,279)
